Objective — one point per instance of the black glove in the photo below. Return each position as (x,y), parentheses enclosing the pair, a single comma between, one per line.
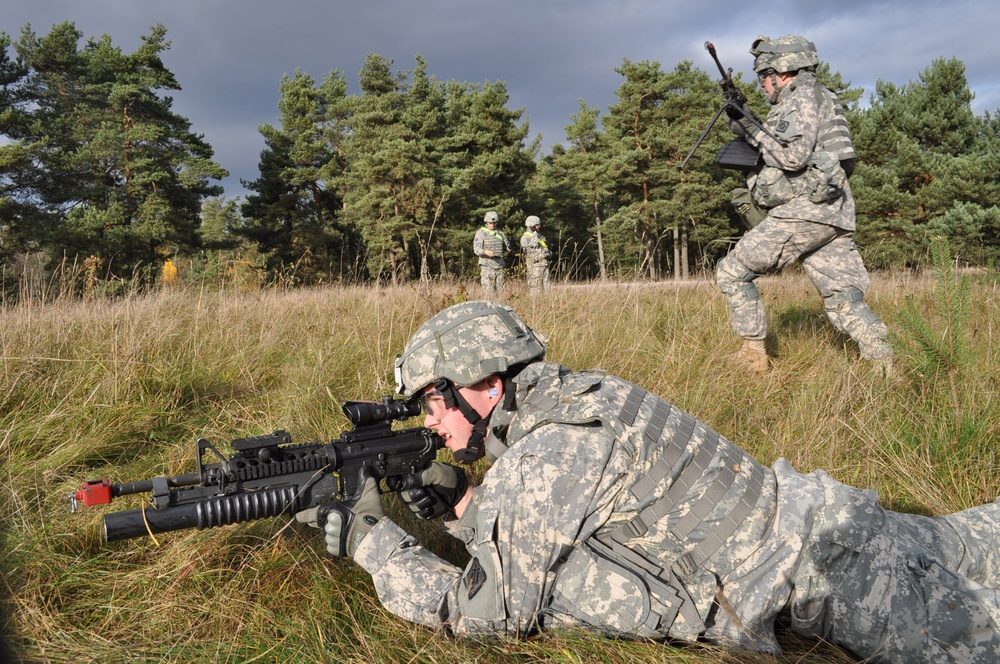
(738,123)
(435,491)
(346,523)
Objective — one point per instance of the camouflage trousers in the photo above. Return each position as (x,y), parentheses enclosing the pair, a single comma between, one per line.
(918,589)
(828,256)
(492,280)
(538,277)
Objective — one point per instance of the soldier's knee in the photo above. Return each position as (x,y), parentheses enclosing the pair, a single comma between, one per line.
(734,278)
(846,306)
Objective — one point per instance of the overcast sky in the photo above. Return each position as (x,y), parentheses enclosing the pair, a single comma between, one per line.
(229,55)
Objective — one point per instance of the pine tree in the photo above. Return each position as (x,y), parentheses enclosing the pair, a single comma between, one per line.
(293,216)
(103,161)
(656,121)
(927,167)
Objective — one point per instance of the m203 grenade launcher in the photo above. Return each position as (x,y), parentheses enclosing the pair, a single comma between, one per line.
(267,476)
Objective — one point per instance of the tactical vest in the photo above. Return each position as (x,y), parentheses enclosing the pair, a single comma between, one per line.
(493,241)
(691,494)
(834,134)
(833,158)
(534,255)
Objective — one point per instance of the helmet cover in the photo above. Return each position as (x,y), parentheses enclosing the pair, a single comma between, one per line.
(464,344)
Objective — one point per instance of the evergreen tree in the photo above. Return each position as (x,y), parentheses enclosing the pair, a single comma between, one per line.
(574,183)
(927,167)
(380,158)
(20,221)
(650,130)
(101,160)
(424,160)
(219,217)
(293,216)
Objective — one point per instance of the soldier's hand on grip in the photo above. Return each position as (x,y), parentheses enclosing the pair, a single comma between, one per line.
(435,491)
(346,524)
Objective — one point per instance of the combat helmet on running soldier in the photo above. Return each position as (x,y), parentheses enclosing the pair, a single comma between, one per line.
(783,54)
(491,217)
(790,53)
(532,221)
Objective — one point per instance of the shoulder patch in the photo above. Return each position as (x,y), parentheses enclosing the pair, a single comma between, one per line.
(787,126)
(475,577)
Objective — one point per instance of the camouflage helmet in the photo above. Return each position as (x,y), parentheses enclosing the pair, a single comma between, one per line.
(532,221)
(491,217)
(464,344)
(784,54)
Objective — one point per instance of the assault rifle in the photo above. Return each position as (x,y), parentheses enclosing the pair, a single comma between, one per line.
(268,476)
(737,153)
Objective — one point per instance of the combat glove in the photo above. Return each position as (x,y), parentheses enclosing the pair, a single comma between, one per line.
(739,124)
(347,523)
(435,491)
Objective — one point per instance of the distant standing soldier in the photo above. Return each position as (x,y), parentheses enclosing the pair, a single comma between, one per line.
(805,203)
(536,255)
(490,244)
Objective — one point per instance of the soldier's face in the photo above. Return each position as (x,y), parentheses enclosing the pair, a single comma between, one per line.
(450,423)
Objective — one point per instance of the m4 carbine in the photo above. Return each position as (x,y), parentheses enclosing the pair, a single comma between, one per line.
(268,476)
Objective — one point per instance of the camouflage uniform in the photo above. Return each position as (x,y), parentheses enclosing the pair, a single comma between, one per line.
(610,509)
(491,268)
(536,260)
(810,217)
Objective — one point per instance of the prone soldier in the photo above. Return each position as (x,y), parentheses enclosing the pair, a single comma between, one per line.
(608,508)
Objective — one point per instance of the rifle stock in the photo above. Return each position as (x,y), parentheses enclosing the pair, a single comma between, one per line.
(268,476)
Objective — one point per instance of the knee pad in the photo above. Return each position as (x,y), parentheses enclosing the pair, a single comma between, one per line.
(848,305)
(745,291)
(734,279)
(849,314)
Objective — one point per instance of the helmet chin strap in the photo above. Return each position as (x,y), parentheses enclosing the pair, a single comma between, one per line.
(776,91)
(452,397)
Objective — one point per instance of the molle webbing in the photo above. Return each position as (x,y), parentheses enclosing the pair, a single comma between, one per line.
(732,463)
(834,134)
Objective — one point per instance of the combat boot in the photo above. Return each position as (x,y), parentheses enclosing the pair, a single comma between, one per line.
(752,356)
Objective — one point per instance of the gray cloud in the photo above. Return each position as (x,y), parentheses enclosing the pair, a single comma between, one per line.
(229,55)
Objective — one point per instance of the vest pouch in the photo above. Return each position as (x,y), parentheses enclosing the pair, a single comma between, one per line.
(771,188)
(608,596)
(824,178)
(749,213)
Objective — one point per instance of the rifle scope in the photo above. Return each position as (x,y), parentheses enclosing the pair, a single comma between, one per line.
(365,413)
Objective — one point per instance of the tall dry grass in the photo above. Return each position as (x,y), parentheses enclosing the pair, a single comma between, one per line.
(122,388)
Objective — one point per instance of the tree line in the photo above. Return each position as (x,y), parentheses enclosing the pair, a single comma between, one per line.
(391,183)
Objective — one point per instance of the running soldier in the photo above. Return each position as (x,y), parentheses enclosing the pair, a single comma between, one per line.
(806,204)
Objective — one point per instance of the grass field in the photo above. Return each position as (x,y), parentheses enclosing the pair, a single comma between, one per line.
(122,388)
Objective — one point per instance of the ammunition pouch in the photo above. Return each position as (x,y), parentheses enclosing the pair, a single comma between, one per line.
(821,181)
(824,178)
(738,154)
(749,213)
(771,188)
(599,590)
